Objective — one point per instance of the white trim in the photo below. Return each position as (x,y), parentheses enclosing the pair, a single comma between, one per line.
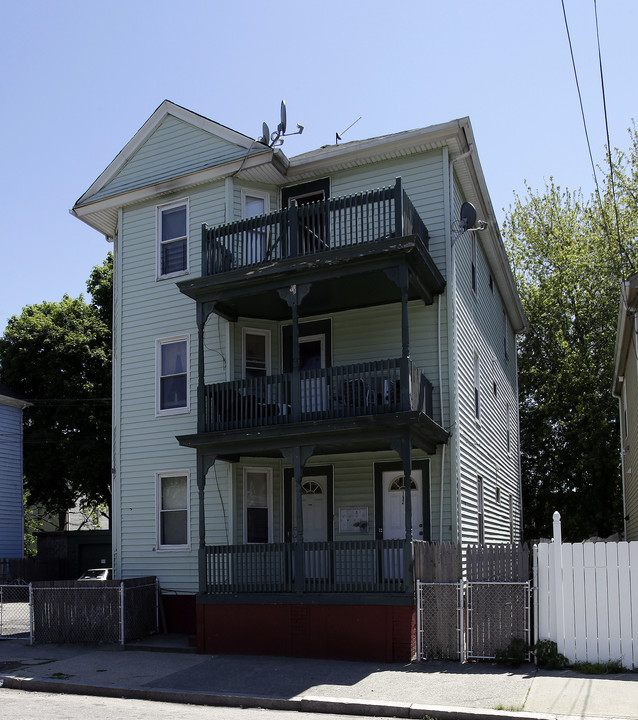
(160,210)
(256,331)
(159,342)
(262,194)
(269,499)
(159,476)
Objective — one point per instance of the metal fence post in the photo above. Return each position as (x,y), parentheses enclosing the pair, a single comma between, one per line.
(122,635)
(31,614)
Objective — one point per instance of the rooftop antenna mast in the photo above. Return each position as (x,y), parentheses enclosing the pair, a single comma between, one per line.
(276,138)
(338,136)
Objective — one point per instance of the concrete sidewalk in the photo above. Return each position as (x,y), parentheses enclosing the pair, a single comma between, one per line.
(439,690)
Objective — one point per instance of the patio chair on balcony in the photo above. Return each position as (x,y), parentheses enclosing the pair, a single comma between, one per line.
(357,397)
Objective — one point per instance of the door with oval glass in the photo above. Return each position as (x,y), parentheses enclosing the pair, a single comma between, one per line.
(314,504)
(394,487)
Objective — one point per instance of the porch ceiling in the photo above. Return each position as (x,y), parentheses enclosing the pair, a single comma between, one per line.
(327,437)
(340,279)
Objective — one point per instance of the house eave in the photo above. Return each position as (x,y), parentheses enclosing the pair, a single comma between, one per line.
(628,298)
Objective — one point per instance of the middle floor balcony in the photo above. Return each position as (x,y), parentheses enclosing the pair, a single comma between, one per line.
(351,408)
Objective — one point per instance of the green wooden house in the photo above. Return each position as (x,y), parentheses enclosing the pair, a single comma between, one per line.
(294,337)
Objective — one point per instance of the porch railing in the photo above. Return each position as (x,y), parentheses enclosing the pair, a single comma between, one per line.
(353,566)
(310,229)
(328,393)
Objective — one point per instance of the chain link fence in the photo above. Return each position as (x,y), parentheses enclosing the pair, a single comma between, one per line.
(15,612)
(440,621)
(96,612)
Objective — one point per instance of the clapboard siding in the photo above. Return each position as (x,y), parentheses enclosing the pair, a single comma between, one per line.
(629,429)
(11,508)
(483,442)
(175,148)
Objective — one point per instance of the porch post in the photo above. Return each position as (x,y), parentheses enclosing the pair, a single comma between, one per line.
(204,463)
(404,448)
(298,457)
(203,311)
(405,340)
(294,296)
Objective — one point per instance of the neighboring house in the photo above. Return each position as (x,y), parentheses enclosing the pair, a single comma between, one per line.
(293,338)
(625,388)
(11,496)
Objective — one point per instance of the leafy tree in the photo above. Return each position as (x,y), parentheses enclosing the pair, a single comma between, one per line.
(57,355)
(568,271)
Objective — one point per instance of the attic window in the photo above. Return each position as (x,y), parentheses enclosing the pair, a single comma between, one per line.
(173,239)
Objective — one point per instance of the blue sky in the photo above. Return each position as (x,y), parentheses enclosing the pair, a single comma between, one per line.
(80,78)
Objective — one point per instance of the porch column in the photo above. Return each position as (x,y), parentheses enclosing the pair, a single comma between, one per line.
(204,464)
(298,457)
(405,339)
(203,311)
(294,296)
(404,448)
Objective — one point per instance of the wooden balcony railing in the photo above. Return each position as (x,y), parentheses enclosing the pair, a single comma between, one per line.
(328,393)
(353,566)
(310,229)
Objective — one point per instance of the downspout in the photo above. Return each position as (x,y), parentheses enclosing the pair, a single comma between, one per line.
(454,422)
(442,421)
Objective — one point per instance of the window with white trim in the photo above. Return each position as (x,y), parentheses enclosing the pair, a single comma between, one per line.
(172,239)
(505,345)
(255,353)
(253,204)
(172,362)
(508,432)
(258,505)
(173,511)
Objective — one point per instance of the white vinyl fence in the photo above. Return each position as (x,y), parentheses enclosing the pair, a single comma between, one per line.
(587,599)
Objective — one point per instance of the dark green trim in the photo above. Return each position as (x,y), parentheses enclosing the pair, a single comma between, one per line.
(328,471)
(379,469)
(313,327)
(307,188)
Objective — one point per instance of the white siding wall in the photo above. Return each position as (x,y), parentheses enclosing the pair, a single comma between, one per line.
(483,442)
(11,509)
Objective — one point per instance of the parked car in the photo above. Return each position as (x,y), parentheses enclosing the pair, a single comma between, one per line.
(97,574)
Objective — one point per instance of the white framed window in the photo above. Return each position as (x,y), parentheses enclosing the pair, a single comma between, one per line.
(172,360)
(508,432)
(258,505)
(173,510)
(477,385)
(505,345)
(253,204)
(172,239)
(255,353)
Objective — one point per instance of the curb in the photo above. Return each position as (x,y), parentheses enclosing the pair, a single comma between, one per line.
(306,703)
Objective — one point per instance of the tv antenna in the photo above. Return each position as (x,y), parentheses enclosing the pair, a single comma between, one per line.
(468,219)
(276,138)
(338,136)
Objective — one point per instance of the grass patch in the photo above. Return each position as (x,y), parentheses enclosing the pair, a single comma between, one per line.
(609,668)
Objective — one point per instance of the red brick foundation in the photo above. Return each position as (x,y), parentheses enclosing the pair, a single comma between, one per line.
(383,633)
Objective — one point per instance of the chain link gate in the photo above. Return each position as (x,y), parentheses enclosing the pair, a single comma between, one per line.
(440,621)
(15,612)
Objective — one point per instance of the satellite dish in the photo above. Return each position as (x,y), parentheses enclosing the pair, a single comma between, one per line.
(282,125)
(265,137)
(468,216)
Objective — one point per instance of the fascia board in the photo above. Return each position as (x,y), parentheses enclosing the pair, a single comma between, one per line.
(364,151)
(14,402)
(624,328)
(492,240)
(140,137)
(180,183)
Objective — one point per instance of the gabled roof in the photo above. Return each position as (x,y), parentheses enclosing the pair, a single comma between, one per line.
(196,150)
(220,152)
(8,397)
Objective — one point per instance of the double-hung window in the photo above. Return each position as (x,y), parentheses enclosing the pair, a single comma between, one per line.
(172,511)
(172,358)
(477,385)
(172,230)
(256,353)
(254,204)
(257,505)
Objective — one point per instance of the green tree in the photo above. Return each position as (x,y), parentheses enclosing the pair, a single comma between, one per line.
(57,355)
(568,272)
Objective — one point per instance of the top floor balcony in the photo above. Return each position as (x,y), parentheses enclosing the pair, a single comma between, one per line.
(344,249)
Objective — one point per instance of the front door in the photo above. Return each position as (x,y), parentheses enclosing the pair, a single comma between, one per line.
(390,489)
(312,356)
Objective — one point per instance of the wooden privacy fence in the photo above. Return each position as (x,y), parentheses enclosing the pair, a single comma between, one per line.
(587,599)
(108,611)
(472,600)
